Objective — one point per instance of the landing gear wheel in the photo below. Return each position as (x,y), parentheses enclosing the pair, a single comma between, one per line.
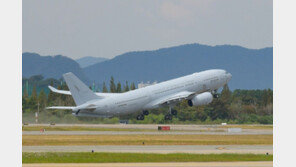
(174,112)
(168,117)
(145,112)
(140,117)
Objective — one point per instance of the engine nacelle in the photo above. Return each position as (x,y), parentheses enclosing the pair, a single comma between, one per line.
(201,99)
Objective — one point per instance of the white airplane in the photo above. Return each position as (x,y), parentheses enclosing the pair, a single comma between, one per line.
(197,88)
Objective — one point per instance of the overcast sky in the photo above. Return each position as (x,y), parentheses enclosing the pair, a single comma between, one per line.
(107,28)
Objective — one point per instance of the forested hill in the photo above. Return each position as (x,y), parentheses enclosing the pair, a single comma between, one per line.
(49,66)
(250,68)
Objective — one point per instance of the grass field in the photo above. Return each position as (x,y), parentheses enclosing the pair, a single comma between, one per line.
(47,140)
(136,157)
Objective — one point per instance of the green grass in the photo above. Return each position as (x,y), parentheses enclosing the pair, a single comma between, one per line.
(63,140)
(82,157)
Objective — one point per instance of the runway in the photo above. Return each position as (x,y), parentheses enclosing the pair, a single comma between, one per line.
(195,149)
(190,127)
(143,133)
(163,164)
(221,132)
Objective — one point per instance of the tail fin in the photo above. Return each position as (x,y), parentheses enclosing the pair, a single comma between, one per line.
(79,91)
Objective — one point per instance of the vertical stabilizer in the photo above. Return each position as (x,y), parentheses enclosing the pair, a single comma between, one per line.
(79,91)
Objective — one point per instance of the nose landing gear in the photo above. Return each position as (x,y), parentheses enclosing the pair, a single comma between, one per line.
(215,94)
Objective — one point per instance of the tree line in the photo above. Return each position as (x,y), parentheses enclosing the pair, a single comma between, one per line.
(238,106)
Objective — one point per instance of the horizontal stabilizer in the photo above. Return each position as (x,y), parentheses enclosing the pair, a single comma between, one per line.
(61,107)
(65,92)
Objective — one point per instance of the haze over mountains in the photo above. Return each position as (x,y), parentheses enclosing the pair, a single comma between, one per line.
(250,68)
(49,66)
(89,60)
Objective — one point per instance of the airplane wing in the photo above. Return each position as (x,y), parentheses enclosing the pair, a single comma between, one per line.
(174,98)
(65,92)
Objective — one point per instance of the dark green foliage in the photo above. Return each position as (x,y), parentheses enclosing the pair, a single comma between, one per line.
(133,87)
(105,89)
(112,85)
(42,99)
(126,87)
(34,92)
(118,89)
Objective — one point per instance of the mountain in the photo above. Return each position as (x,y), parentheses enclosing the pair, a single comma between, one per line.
(49,66)
(88,61)
(250,68)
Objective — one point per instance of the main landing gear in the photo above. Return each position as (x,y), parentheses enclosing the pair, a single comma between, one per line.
(172,112)
(142,116)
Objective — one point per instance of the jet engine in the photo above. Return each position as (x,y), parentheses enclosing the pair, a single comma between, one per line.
(201,99)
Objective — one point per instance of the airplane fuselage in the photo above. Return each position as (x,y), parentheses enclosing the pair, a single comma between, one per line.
(145,98)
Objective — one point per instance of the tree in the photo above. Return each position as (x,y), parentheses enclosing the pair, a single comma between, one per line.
(112,85)
(34,93)
(51,95)
(25,93)
(36,78)
(105,90)
(126,87)
(133,87)
(219,108)
(118,89)
(42,99)
(226,94)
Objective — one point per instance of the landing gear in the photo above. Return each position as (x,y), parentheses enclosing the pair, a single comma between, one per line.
(140,117)
(172,112)
(168,117)
(215,95)
(145,112)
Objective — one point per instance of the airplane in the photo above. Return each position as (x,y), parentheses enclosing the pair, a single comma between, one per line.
(197,88)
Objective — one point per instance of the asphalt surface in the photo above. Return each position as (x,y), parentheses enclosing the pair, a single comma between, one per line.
(143,133)
(175,129)
(162,164)
(196,149)
(144,126)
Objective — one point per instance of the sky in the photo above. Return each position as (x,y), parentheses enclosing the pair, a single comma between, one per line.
(108,28)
